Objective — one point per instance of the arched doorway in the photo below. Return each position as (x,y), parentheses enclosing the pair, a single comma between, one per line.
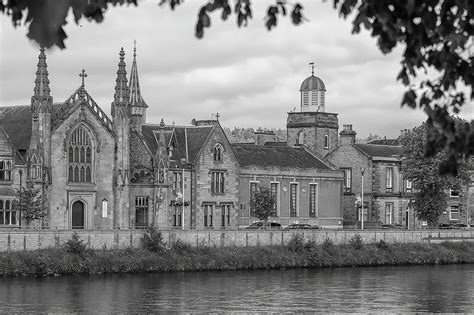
(77,220)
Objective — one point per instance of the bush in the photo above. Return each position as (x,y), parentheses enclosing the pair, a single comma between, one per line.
(75,245)
(382,244)
(182,247)
(296,244)
(328,243)
(152,240)
(356,241)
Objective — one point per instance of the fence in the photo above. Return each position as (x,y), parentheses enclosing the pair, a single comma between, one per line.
(18,240)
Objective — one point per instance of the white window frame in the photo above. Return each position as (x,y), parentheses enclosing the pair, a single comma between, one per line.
(347,186)
(316,210)
(456,195)
(389,179)
(250,193)
(454,208)
(326,141)
(297,199)
(277,196)
(408,185)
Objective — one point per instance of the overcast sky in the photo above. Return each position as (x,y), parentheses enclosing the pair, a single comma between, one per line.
(250,76)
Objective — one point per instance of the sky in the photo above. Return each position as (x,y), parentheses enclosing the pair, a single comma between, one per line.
(250,76)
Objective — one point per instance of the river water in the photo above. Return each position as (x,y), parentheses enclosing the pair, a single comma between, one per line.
(383,289)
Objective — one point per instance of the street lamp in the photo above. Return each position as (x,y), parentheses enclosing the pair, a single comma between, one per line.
(362,171)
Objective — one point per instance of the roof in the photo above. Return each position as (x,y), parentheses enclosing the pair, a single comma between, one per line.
(189,139)
(378,150)
(16,121)
(384,141)
(312,83)
(277,156)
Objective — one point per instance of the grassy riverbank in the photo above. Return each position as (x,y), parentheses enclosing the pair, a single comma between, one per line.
(182,257)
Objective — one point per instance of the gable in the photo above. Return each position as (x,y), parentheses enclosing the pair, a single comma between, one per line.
(5,147)
(347,156)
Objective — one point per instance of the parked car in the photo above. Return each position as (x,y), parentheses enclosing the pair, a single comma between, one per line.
(259,225)
(301,226)
(394,226)
(463,226)
(445,226)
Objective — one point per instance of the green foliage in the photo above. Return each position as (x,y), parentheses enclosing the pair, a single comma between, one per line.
(430,187)
(181,247)
(30,203)
(356,242)
(262,202)
(152,240)
(75,245)
(382,244)
(328,243)
(296,243)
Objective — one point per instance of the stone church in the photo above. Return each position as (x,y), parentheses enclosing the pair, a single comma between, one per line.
(121,172)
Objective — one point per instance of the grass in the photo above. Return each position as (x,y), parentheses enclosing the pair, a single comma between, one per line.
(180,256)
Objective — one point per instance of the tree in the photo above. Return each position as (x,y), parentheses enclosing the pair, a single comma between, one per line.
(30,204)
(436,35)
(430,187)
(262,202)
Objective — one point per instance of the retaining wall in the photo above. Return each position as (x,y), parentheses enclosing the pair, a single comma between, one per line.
(18,240)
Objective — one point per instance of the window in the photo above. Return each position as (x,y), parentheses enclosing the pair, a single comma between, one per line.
(305,98)
(454,213)
(253,189)
(208,213)
(313,199)
(347,180)
(217,182)
(388,212)
(300,139)
(322,98)
(177,181)
(8,215)
(389,179)
(177,216)
(274,190)
(225,215)
(141,212)
(408,185)
(314,97)
(80,157)
(293,199)
(326,142)
(453,193)
(5,170)
(218,149)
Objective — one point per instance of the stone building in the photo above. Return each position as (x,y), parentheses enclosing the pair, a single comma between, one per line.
(388,196)
(122,172)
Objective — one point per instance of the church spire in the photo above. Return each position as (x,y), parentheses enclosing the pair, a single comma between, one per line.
(134,85)
(121,89)
(41,101)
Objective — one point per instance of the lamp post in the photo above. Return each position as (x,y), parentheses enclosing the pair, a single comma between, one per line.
(19,217)
(362,171)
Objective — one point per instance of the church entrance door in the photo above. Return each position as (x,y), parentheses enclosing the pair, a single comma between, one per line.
(78,215)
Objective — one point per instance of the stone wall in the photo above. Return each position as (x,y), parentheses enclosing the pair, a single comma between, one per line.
(18,240)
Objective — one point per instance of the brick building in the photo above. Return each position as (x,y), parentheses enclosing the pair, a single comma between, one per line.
(123,172)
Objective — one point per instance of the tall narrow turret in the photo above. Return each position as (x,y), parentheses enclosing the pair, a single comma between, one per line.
(137,104)
(121,122)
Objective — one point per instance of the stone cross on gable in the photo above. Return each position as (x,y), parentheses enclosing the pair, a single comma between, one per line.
(83,75)
(217,116)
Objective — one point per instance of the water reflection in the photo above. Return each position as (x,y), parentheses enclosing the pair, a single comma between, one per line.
(384,289)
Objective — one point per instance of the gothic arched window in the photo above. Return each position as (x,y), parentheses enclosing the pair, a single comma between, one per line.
(300,138)
(80,156)
(218,149)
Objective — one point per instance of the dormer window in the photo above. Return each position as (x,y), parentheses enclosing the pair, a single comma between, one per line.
(5,170)
(218,150)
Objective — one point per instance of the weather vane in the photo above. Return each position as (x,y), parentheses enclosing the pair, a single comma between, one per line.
(312,67)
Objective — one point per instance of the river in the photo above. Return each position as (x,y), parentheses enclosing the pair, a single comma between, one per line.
(383,289)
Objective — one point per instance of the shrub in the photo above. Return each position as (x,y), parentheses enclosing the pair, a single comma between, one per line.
(356,241)
(152,240)
(328,243)
(75,245)
(382,244)
(182,247)
(296,244)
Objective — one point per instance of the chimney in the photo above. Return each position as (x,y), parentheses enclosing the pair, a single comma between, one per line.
(263,136)
(347,135)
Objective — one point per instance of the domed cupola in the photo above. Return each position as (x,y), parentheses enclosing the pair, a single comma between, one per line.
(312,93)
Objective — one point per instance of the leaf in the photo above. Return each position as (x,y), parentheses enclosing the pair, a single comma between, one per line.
(409,99)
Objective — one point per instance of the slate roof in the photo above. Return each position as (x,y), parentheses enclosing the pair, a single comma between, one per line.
(195,136)
(250,154)
(384,142)
(378,150)
(16,121)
